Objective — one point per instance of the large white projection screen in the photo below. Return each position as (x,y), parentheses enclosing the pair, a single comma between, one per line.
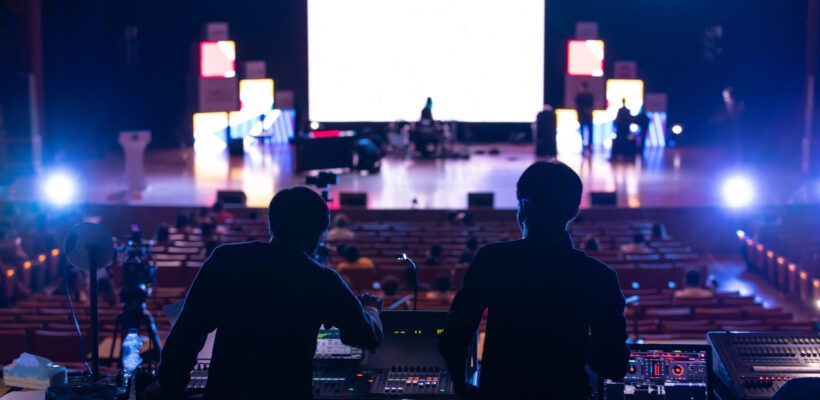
(379,60)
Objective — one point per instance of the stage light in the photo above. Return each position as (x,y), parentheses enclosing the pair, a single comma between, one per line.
(738,191)
(585,57)
(59,189)
(671,284)
(633,128)
(217,59)
(27,265)
(740,234)
(9,273)
(41,258)
(636,285)
(314,125)
(818,303)
(55,252)
(677,129)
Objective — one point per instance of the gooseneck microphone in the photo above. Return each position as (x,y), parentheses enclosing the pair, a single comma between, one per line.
(403,257)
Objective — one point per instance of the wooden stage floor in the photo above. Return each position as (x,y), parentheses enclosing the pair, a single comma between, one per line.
(671,177)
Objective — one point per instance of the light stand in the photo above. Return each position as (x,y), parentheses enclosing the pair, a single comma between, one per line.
(403,257)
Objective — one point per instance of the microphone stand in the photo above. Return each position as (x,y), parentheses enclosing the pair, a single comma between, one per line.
(403,257)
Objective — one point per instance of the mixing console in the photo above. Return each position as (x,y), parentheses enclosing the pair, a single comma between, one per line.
(753,365)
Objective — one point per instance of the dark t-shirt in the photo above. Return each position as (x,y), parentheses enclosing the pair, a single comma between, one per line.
(551,310)
(584,103)
(267,302)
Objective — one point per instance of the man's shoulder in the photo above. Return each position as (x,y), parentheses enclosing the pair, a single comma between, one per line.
(592,264)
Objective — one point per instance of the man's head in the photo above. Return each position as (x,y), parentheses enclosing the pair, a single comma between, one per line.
(351,253)
(298,216)
(693,278)
(638,238)
(549,196)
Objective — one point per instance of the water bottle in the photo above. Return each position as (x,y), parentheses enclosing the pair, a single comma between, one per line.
(131,346)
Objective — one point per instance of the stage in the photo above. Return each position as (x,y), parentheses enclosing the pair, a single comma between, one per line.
(670,177)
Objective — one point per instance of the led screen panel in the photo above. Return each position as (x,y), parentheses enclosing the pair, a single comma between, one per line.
(629,89)
(256,95)
(376,60)
(217,59)
(585,57)
(210,131)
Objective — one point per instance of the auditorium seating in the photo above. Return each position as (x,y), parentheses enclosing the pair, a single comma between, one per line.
(42,322)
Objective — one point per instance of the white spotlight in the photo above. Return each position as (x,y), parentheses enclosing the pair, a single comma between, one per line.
(738,191)
(677,129)
(314,125)
(59,189)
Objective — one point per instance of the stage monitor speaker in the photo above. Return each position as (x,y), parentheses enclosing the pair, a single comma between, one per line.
(235,198)
(236,147)
(353,199)
(480,200)
(603,198)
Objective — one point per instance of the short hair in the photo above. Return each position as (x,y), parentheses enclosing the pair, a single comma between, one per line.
(552,190)
(390,285)
(435,250)
(442,283)
(218,206)
(472,243)
(351,253)
(638,238)
(693,277)
(340,220)
(298,212)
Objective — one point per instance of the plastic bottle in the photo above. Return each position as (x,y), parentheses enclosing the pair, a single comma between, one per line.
(131,346)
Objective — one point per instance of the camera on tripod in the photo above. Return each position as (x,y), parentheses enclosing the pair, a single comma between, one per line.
(137,274)
(322,180)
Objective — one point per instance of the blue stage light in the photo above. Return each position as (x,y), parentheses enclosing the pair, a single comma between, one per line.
(59,188)
(738,191)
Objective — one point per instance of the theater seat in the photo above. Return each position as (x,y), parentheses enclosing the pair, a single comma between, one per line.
(59,346)
(13,344)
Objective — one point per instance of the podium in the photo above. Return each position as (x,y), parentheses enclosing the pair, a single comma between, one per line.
(133,144)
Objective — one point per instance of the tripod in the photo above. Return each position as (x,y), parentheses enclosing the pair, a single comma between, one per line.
(134,315)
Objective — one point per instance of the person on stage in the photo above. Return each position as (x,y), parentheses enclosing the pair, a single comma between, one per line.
(622,146)
(427,111)
(267,302)
(551,309)
(584,103)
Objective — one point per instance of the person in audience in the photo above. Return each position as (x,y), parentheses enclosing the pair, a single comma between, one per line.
(11,250)
(267,301)
(352,260)
(441,288)
(390,285)
(203,217)
(638,245)
(659,232)
(469,253)
(181,222)
(220,216)
(434,255)
(163,233)
(592,244)
(693,288)
(544,300)
(340,231)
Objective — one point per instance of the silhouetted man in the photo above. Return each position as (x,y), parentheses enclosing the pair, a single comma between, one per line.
(584,103)
(267,301)
(623,122)
(551,309)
